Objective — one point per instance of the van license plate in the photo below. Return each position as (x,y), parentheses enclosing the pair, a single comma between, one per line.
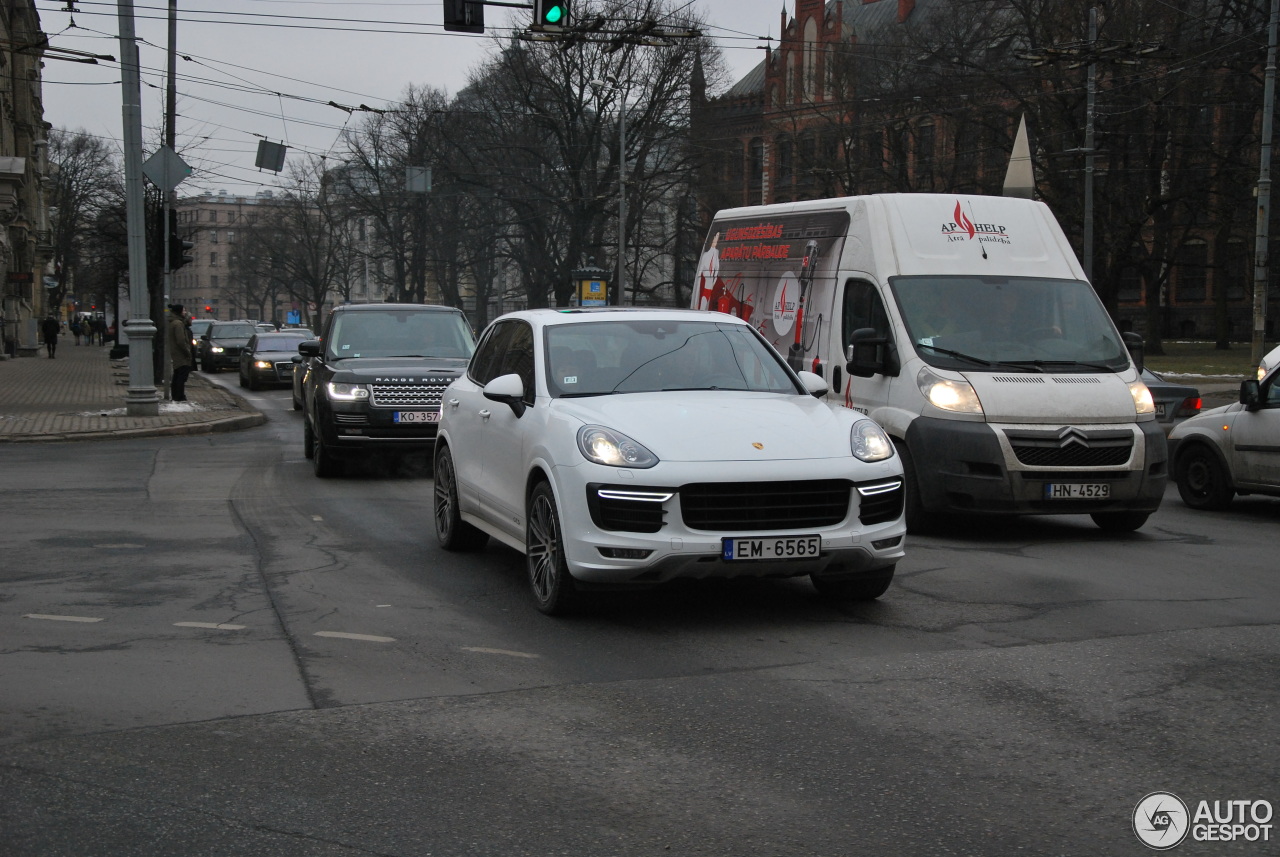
(771,547)
(1077,491)
(416,417)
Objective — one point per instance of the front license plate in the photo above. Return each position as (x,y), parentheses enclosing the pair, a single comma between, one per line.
(1077,491)
(771,547)
(416,417)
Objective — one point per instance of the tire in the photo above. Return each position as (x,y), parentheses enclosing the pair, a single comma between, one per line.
(1202,481)
(1120,522)
(864,587)
(549,578)
(243,383)
(253,383)
(453,533)
(308,439)
(919,521)
(297,406)
(323,463)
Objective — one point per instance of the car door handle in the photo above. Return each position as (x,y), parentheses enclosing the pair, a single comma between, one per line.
(453,403)
(485,414)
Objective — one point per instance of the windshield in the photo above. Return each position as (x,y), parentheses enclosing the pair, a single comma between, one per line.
(199,327)
(1009,322)
(278,343)
(598,358)
(232,331)
(400,333)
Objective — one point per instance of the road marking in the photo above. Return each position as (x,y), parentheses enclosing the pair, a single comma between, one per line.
(216,626)
(508,652)
(120,546)
(316,518)
(61,618)
(343,635)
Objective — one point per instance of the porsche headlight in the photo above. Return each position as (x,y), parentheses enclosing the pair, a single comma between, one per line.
(613,448)
(949,395)
(347,392)
(870,442)
(1142,401)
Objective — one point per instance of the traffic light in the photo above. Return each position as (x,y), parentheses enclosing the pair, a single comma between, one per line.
(463,16)
(180,250)
(550,14)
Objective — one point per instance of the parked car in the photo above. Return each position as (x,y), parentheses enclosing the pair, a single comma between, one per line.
(630,447)
(1233,449)
(199,326)
(1174,402)
(265,326)
(374,379)
(268,358)
(221,344)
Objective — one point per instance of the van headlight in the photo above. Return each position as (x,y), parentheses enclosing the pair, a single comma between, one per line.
(947,394)
(613,448)
(347,392)
(870,442)
(1142,401)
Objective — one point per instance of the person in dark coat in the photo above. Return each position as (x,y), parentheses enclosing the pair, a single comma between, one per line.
(49,330)
(179,341)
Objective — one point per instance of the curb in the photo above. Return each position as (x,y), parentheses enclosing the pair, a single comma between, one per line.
(211,427)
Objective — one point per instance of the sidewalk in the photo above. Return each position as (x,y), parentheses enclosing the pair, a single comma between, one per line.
(80,395)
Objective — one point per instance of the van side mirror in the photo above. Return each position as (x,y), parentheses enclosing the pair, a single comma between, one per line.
(509,390)
(1251,395)
(1137,349)
(870,353)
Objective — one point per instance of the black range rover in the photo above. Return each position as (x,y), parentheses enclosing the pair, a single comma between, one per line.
(375,376)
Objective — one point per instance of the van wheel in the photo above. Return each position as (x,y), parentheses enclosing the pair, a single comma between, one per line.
(864,587)
(1120,522)
(549,577)
(453,533)
(1202,480)
(919,520)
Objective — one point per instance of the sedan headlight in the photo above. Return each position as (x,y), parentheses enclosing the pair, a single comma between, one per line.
(216,349)
(347,392)
(870,442)
(949,395)
(1142,401)
(613,448)
(261,364)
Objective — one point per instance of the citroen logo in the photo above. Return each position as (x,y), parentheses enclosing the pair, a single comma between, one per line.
(1070,435)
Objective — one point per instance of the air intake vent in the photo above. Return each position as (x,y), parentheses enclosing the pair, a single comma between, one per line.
(1018,379)
(763,506)
(1077,379)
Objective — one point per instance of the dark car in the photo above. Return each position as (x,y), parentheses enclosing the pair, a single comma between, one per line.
(221,344)
(1174,402)
(374,379)
(268,358)
(198,328)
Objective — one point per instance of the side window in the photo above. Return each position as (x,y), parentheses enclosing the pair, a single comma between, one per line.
(862,308)
(1271,391)
(518,358)
(488,357)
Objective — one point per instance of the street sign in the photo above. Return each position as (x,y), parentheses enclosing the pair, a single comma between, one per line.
(166,169)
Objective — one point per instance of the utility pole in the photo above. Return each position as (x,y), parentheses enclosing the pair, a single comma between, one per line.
(141,400)
(1089,153)
(1261,262)
(170,194)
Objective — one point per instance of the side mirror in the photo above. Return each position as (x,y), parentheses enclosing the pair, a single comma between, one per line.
(1137,350)
(509,390)
(1251,395)
(813,383)
(309,348)
(297,358)
(870,353)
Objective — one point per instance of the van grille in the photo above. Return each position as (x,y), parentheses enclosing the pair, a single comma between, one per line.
(762,506)
(405,395)
(1072,447)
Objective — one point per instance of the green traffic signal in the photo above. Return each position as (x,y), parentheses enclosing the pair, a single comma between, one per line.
(554,13)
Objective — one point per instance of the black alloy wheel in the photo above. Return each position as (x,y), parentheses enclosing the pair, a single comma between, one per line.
(453,533)
(549,577)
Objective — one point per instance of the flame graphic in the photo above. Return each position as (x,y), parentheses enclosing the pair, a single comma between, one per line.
(965,223)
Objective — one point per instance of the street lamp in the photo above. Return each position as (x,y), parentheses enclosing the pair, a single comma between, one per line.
(620,282)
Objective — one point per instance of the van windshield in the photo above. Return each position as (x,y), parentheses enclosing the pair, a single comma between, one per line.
(1009,323)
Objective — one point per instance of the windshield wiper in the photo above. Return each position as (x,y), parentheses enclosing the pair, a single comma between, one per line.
(1041,364)
(956,354)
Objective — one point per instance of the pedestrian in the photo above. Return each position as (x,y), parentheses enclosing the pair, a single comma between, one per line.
(75,328)
(49,329)
(179,342)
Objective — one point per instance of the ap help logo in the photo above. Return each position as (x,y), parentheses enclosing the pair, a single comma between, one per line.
(1160,820)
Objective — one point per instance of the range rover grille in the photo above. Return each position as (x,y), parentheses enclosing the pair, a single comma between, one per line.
(405,395)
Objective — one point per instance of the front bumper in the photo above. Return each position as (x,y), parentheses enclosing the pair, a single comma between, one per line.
(354,427)
(974,467)
(607,555)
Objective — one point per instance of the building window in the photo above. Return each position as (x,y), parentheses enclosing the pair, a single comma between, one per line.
(786,162)
(924,157)
(811,60)
(213,281)
(213,260)
(231,236)
(756,162)
(213,236)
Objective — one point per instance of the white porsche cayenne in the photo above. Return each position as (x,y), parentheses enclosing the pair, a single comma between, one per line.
(628,447)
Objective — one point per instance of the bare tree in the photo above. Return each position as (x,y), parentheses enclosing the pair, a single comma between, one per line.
(86,186)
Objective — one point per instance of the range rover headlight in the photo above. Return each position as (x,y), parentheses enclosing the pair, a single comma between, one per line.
(1142,401)
(948,394)
(613,448)
(870,442)
(347,392)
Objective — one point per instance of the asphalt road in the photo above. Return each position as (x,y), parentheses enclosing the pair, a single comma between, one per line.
(205,650)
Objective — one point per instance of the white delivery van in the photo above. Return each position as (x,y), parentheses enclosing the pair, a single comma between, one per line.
(964,325)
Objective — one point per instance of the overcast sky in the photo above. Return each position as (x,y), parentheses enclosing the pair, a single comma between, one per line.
(304,54)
